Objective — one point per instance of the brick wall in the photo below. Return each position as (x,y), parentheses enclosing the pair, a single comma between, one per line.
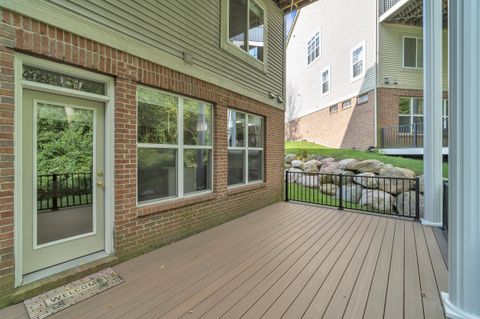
(137,230)
(353,127)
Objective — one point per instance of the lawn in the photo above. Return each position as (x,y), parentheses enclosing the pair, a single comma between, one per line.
(312,148)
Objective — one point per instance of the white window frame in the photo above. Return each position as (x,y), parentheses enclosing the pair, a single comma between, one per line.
(180,147)
(349,101)
(416,67)
(362,59)
(327,69)
(313,39)
(245,150)
(361,96)
(235,50)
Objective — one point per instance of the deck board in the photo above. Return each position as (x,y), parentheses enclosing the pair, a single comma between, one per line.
(287,260)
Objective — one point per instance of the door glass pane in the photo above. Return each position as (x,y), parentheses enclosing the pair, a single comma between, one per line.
(157,173)
(236,167)
(237,23)
(197,123)
(64,167)
(236,129)
(417,104)
(197,170)
(255,166)
(255,31)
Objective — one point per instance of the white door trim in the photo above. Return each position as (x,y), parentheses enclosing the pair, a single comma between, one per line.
(109,99)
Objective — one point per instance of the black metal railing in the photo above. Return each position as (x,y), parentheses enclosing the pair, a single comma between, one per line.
(408,136)
(373,194)
(56,191)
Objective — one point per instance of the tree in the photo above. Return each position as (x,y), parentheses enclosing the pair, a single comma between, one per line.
(291,112)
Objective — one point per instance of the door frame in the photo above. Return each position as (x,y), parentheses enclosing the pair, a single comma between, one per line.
(109,100)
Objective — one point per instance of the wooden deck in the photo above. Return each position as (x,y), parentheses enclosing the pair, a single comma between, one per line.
(285,261)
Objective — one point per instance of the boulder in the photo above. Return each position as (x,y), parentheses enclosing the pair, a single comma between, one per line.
(377,201)
(289,158)
(390,171)
(329,189)
(406,204)
(287,166)
(311,166)
(298,164)
(308,180)
(293,177)
(346,178)
(315,157)
(397,180)
(373,166)
(368,180)
(327,160)
(422,183)
(350,193)
(326,169)
(349,162)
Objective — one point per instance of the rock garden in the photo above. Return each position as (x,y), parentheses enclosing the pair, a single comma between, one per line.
(372,184)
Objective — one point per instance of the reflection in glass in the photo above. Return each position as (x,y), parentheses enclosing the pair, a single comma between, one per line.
(197,123)
(236,129)
(64,172)
(255,166)
(157,117)
(197,170)
(157,171)
(255,31)
(237,23)
(255,131)
(236,167)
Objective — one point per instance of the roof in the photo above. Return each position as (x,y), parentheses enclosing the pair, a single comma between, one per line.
(291,5)
(409,12)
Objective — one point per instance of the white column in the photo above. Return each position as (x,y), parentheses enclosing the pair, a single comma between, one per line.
(432,103)
(463,298)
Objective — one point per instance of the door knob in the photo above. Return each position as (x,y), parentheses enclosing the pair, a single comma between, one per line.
(100,184)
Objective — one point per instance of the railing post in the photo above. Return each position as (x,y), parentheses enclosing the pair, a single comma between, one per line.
(55,192)
(340,190)
(417,197)
(286,185)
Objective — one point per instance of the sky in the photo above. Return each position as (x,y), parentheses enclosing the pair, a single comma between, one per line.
(289,18)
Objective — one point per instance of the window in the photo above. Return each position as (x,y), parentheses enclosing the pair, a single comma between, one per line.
(246,27)
(346,104)
(313,48)
(245,148)
(358,62)
(326,81)
(362,99)
(411,112)
(412,52)
(333,109)
(174,145)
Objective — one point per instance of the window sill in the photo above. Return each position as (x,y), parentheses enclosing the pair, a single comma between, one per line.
(245,188)
(158,207)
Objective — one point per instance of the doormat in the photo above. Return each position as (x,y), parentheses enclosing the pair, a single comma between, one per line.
(53,301)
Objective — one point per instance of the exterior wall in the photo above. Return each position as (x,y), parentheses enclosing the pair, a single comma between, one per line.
(137,229)
(342,25)
(350,128)
(391,58)
(164,31)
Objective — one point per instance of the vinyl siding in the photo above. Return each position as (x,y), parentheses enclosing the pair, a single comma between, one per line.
(168,30)
(343,25)
(391,58)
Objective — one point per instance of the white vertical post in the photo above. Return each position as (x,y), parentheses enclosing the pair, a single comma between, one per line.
(463,298)
(432,90)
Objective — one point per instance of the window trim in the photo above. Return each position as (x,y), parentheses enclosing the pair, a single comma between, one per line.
(319,34)
(416,67)
(236,51)
(364,60)
(180,147)
(349,101)
(360,96)
(328,80)
(335,107)
(246,148)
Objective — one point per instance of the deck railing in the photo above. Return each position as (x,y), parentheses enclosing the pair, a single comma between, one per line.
(373,194)
(408,136)
(56,191)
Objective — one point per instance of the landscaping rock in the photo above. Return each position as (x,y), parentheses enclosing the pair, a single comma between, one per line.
(396,172)
(311,166)
(298,164)
(377,200)
(327,160)
(394,185)
(351,193)
(346,178)
(406,204)
(329,189)
(328,168)
(293,177)
(287,166)
(422,183)
(289,158)
(309,180)
(349,162)
(367,180)
(373,166)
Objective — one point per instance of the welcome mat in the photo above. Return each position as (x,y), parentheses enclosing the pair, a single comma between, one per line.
(63,297)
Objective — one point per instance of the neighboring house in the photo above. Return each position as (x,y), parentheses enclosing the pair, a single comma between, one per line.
(359,78)
(125,126)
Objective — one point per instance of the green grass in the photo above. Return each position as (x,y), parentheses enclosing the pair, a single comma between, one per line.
(312,148)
